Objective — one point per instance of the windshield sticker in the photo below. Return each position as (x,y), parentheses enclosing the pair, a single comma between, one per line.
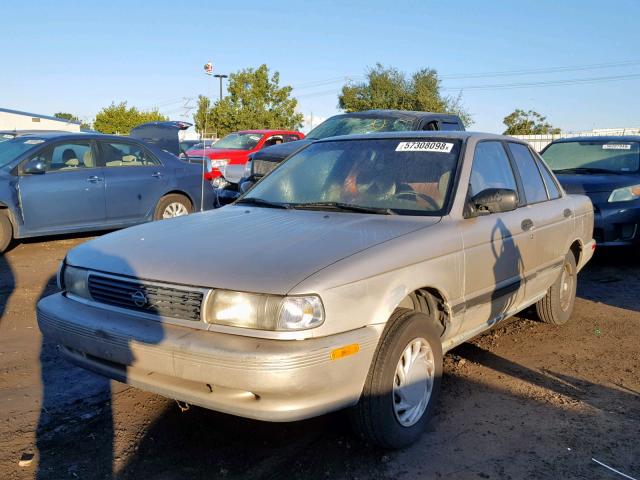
(33,142)
(616,146)
(441,147)
(254,137)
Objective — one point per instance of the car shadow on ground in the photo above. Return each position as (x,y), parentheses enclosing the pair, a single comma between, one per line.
(7,284)
(612,277)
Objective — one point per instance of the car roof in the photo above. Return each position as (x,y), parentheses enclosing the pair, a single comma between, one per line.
(262,132)
(602,138)
(453,134)
(402,114)
(52,135)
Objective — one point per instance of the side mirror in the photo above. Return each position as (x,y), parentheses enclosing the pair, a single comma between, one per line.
(34,167)
(246,186)
(492,200)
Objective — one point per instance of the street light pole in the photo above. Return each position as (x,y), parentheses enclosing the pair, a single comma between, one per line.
(221,77)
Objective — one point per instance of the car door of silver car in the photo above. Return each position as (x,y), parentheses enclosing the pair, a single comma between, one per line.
(498,248)
(551,216)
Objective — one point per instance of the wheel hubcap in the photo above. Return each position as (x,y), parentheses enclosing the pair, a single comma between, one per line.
(566,287)
(174,209)
(413,382)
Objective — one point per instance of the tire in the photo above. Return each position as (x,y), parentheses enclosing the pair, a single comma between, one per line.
(176,203)
(6,231)
(556,306)
(379,416)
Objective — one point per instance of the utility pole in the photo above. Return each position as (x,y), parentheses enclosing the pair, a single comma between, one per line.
(217,75)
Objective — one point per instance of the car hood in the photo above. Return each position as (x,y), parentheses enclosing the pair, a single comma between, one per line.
(595,183)
(281,151)
(241,248)
(214,153)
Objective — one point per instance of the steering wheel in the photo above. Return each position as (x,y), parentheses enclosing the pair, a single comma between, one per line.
(415,196)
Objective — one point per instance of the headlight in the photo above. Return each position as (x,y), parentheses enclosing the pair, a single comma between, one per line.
(218,163)
(625,194)
(264,312)
(247,170)
(76,281)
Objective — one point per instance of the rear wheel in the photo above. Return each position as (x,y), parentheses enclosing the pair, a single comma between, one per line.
(171,206)
(6,231)
(403,382)
(556,306)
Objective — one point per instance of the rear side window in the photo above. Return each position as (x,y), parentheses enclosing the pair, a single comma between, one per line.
(491,169)
(291,138)
(126,155)
(552,187)
(530,175)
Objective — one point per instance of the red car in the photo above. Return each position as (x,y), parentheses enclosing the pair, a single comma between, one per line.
(230,154)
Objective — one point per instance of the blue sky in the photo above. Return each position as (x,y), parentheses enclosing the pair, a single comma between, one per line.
(80,56)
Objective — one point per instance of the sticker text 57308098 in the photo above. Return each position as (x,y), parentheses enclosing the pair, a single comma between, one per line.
(442,147)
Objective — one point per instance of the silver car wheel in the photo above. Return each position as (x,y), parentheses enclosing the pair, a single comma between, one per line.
(413,382)
(175,209)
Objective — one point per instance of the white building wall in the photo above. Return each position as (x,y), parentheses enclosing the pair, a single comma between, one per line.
(19,121)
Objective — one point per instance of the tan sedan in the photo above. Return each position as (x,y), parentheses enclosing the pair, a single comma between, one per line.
(338,281)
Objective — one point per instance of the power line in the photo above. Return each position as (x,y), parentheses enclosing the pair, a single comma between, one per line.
(574,68)
(573,81)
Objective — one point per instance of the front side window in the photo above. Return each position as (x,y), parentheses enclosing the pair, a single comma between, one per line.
(345,125)
(67,156)
(491,169)
(530,175)
(390,175)
(126,155)
(593,156)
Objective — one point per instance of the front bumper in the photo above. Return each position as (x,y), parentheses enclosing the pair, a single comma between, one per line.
(273,380)
(617,224)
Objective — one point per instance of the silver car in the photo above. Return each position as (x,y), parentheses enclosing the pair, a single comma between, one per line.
(338,281)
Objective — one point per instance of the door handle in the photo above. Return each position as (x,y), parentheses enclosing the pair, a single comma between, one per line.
(567,212)
(157,175)
(527,224)
(94,179)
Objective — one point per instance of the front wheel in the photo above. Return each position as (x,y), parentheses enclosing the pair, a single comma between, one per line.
(556,306)
(403,382)
(6,231)
(171,206)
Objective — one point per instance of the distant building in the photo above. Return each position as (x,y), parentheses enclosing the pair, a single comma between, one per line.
(17,120)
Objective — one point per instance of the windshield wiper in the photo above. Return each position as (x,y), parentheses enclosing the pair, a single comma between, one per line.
(587,170)
(259,202)
(348,207)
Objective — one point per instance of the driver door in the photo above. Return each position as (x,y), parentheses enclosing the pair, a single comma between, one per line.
(69,195)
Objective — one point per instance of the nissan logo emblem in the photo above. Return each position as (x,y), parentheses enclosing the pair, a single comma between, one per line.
(139,299)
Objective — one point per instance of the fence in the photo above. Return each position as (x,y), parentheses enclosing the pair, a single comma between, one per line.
(538,142)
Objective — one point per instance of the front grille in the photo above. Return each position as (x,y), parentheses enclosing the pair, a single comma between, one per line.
(167,301)
(262,167)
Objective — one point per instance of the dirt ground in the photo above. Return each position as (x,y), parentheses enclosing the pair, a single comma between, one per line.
(524,401)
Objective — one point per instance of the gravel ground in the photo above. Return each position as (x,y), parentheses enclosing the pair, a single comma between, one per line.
(526,400)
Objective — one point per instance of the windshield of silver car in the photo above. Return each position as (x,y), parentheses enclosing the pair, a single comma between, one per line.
(11,149)
(593,156)
(386,176)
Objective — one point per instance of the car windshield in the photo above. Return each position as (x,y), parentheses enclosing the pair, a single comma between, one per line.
(344,125)
(371,176)
(238,141)
(15,147)
(595,155)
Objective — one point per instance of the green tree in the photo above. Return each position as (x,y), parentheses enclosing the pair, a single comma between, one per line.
(255,100)
(520,122)
(120,119)
(72,118)
(391,88)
